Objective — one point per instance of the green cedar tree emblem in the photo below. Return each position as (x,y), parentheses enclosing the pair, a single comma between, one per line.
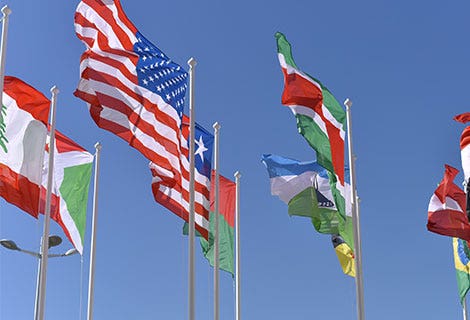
(3,138)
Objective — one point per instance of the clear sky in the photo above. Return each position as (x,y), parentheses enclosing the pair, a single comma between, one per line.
(405,66)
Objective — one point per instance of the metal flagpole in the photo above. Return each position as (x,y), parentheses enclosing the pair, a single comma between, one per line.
(237,252)
(355,217)
(38,286)
(191,283)
(91,279)
(47,215)
(216,127)
(3,49)
(464,306)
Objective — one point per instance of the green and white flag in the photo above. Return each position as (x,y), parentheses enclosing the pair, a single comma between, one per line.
(72,174)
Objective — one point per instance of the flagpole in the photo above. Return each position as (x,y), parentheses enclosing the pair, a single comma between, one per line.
(91,279)
(237,176)
(191,283)
(3,49)
(464,308)
(216,127)
(47,214)
(355,217)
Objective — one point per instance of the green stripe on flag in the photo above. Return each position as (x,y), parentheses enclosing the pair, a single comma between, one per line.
(225,244)
(317,139)
(284,48)
(74,191)
(324,220)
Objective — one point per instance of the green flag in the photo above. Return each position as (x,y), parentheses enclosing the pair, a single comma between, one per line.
(226,225)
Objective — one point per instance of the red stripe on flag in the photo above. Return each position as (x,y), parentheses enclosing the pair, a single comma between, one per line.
(19,190)
(302,92)
(446,219)
(27,98)
(176,208)
(227,190)
(103,11)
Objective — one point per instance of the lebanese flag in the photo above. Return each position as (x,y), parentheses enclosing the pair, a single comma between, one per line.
(446,212)
(23,131)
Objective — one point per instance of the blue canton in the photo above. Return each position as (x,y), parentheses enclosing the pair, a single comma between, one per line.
(203,146)
(157,73)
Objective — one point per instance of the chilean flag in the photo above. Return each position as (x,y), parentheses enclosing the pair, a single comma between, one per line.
(446,212)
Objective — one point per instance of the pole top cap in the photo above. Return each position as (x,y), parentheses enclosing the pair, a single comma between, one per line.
(348,103)
(6,10)
(192,62)
(55,90)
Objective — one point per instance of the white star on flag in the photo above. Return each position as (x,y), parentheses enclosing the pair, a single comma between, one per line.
(200,148)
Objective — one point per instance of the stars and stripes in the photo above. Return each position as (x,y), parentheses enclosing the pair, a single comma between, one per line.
(175,197)
(134,90)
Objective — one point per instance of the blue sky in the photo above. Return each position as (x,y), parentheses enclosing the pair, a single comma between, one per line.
(403,64)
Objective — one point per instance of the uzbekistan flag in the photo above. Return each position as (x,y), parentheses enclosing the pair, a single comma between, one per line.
(305,187)
(446,213)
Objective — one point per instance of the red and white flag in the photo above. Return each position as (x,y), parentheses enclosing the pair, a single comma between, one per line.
(465,144)
(23,132)
(446,212)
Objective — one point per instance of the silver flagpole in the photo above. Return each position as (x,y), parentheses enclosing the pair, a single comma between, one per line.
(47,215)
(464,307)
(237,252)
(91,279)
(216,127)
(191,283)
(355,217)
(3,49)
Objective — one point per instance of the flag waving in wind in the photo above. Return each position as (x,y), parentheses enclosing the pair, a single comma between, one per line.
(132,88)
(320,120)
(175,196)
(305,187)
(23,133)
(71,181)
(446,213)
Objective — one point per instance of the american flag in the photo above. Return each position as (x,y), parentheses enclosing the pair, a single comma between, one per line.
(176,197)
(134,90)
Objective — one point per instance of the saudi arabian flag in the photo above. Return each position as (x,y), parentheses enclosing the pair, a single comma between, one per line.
(71,181)
(462,266)
(23,131)
(305,188)
(321,121)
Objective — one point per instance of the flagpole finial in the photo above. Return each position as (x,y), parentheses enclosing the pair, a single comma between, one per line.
(192,62)
(55,90)
(6,10)
(98,146)
(216,126)
(237,174)
(348,103)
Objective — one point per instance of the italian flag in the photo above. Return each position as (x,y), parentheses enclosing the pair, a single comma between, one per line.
(23,131)
(321,121)
(71,181)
